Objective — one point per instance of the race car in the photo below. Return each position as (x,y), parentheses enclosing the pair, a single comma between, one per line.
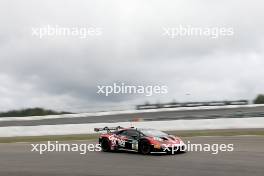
(142,140)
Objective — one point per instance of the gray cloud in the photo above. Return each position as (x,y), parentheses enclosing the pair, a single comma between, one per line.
(63,72)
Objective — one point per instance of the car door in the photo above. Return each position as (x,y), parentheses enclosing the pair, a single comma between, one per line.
(132,139)
(122,139)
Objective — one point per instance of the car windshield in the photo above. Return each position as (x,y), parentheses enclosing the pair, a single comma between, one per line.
(151,132)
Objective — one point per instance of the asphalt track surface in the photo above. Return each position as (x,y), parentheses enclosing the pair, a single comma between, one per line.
(150,116)
(247,159)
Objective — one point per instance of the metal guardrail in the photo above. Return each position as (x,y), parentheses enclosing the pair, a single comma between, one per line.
(191,104)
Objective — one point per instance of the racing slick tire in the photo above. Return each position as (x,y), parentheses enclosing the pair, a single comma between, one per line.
(105,144)
(144,147)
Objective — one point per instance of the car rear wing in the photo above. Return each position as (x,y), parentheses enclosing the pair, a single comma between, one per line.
(108,129)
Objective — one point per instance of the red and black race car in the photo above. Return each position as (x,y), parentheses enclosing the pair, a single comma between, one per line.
(140,140)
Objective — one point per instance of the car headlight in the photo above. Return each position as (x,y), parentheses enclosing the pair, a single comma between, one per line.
(157,139)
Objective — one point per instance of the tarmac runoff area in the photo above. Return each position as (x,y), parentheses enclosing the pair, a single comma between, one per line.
(246,159)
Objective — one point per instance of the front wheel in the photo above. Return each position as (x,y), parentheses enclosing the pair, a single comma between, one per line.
(105,144)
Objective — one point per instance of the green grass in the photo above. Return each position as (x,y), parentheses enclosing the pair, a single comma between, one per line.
(218,132)
(31,112)
(94,137)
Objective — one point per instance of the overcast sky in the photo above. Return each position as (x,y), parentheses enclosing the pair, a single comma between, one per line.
(63,73)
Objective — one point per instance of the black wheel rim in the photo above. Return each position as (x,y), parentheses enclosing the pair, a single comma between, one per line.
(145,148)
(105,145)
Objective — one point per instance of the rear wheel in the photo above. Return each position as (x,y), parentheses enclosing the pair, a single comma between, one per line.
(144,147)
(105,144)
